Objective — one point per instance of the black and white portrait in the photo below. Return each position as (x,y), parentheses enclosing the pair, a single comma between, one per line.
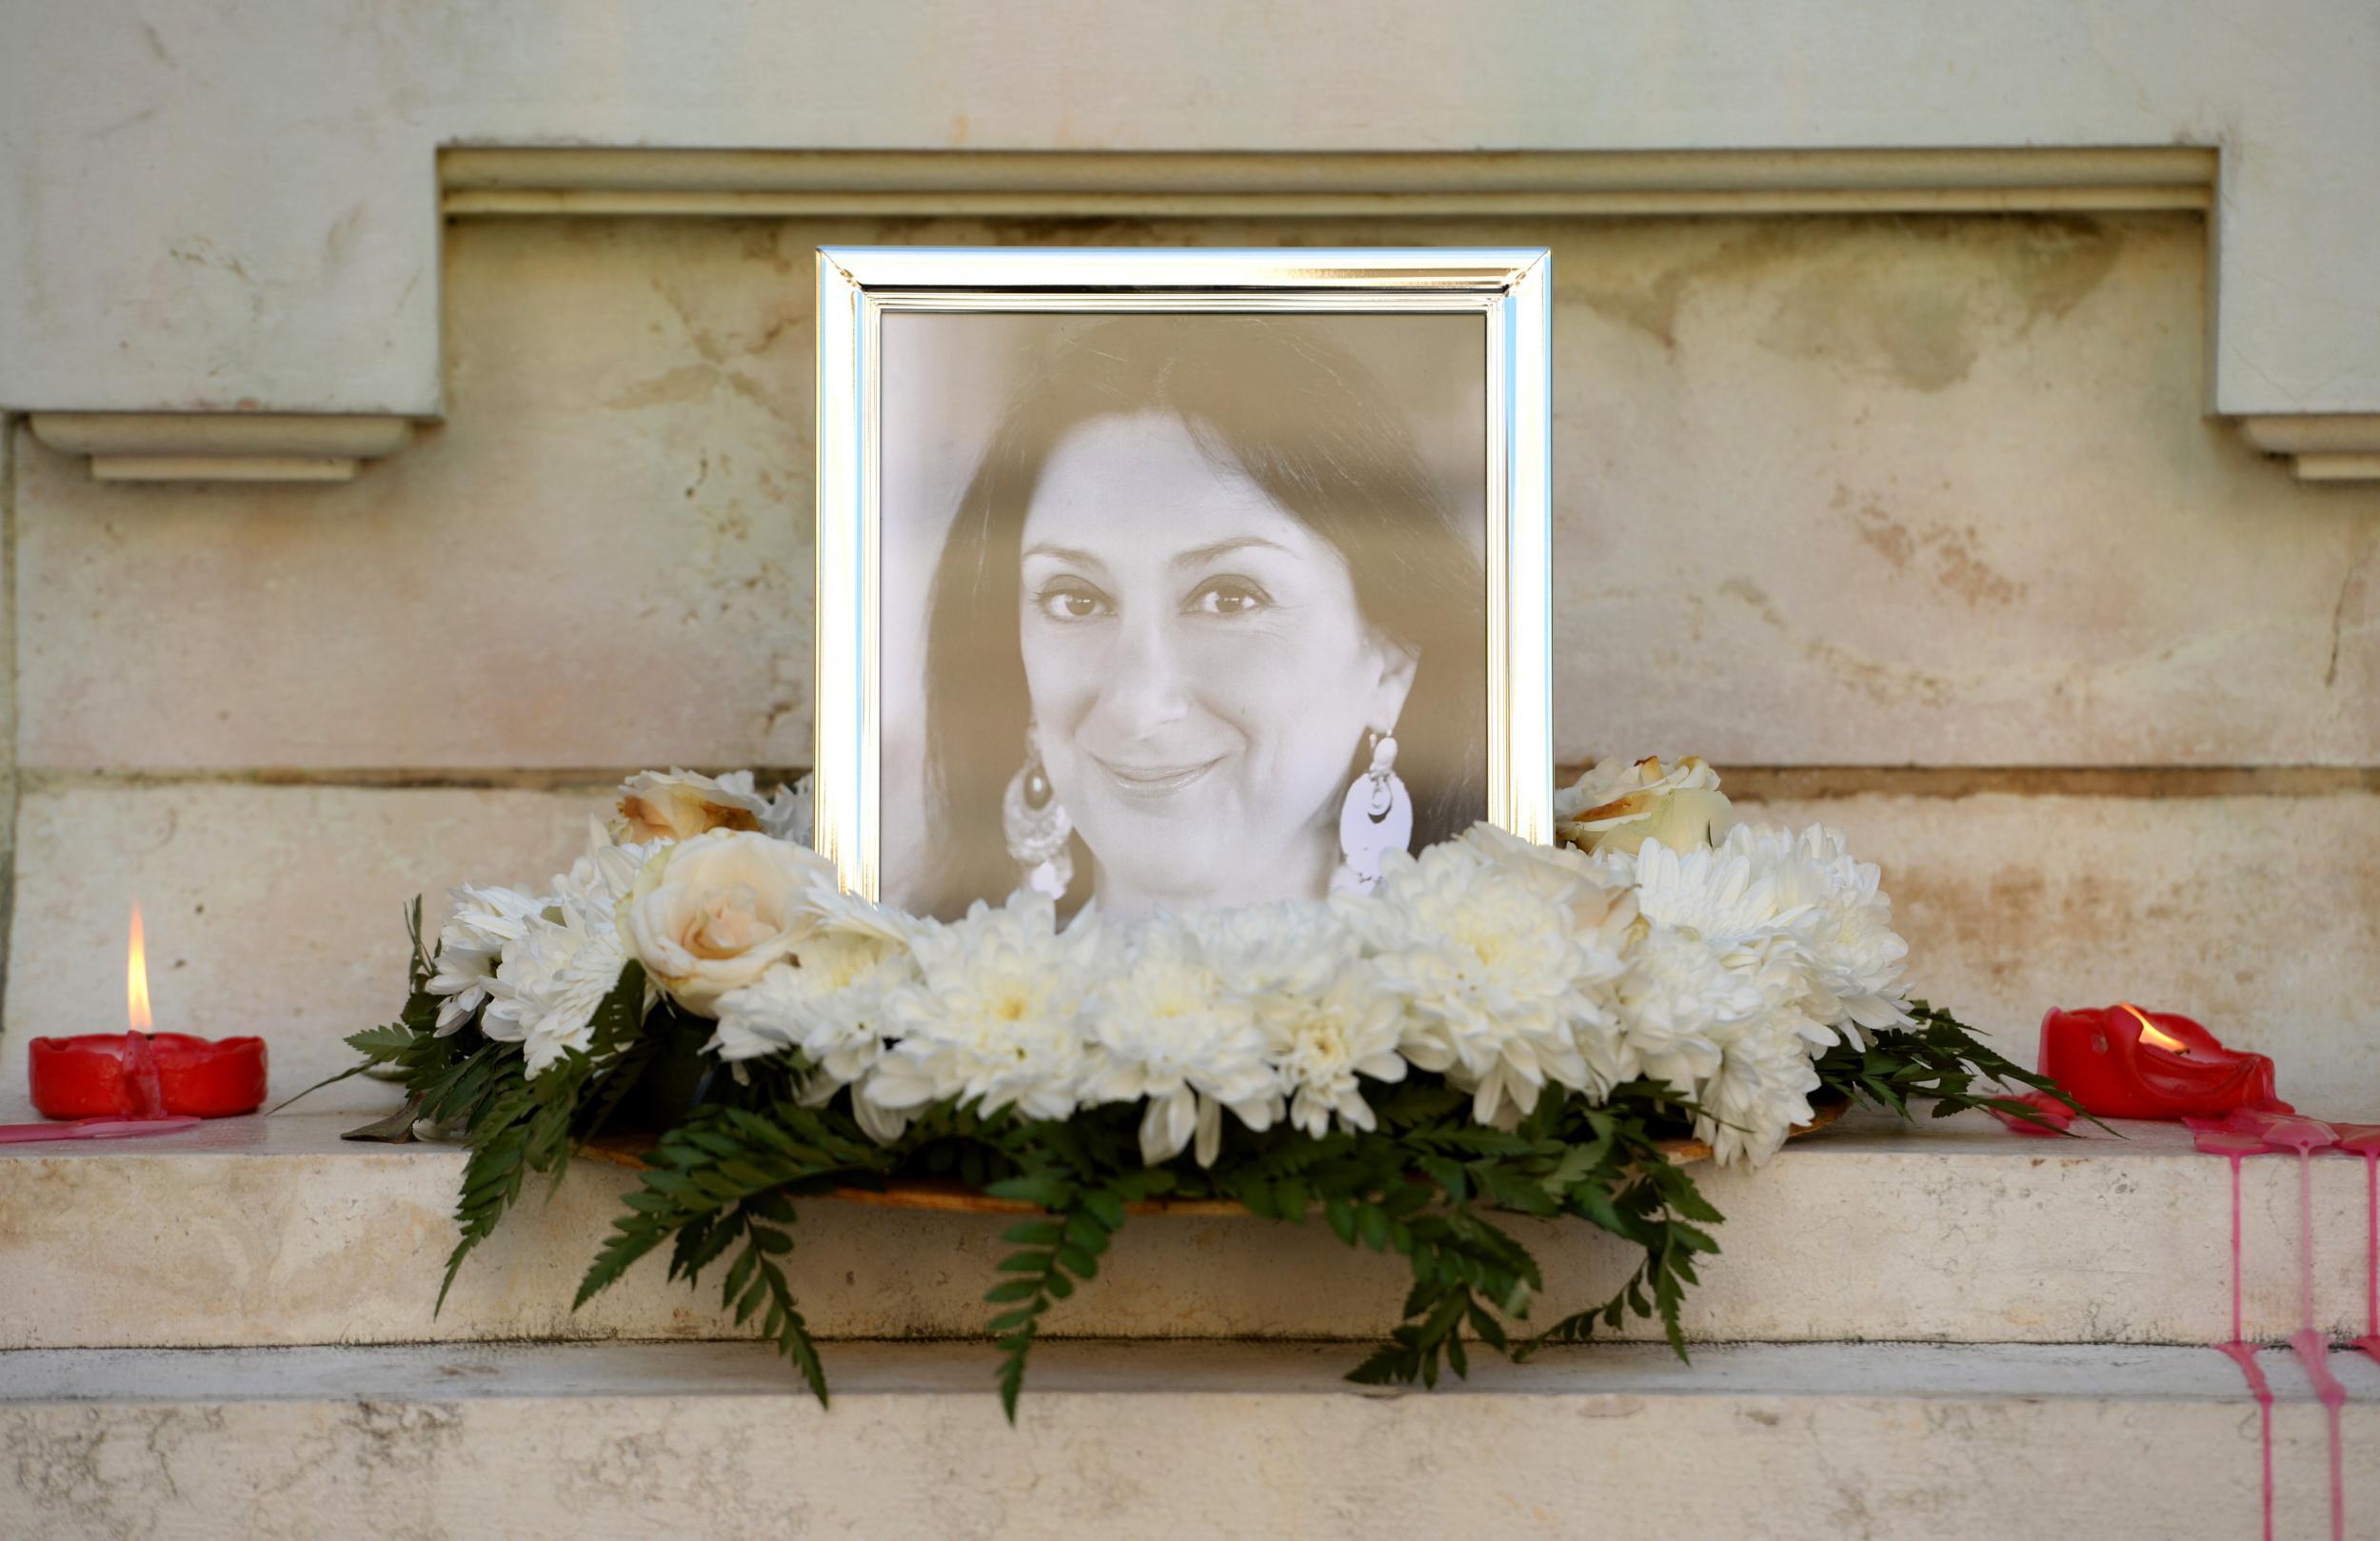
(1179,609)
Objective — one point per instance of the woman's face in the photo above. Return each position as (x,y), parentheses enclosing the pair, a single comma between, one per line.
(1199,673)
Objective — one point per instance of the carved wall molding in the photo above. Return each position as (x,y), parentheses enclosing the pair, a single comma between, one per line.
(1058,183)
(2322,446)
(223,446)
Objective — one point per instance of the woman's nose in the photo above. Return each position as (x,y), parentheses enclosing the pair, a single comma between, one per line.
(1144,691)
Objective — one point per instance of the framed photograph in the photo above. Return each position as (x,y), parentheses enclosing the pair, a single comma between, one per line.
(1169,578)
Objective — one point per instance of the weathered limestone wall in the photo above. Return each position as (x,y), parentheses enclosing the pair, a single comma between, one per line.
(1895,499)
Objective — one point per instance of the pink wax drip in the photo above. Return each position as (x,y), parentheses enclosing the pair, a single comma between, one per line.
(2234,1147)
(2244,1355)
(2216,1141)
(2248,1133)
(2314,1353)
(2314,1349)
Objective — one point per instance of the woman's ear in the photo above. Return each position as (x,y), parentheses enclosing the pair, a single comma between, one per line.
(1397,664)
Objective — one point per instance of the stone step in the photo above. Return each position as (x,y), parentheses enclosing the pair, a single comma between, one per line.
(1128,1440)
(273,1231)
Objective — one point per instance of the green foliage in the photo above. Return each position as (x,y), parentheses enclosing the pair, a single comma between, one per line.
(726,1175)
(1052,1257)
(1425,1183)
(1941,1059)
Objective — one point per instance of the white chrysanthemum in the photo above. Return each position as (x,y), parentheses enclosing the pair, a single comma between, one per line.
(1168,1030)
(567,958)
(1492,978)
(1676,992)
(1323,1041)
(547,989)
(1855,957)
(1326,1019)
(1600,915)
(1262,948)
(1731,896)
(787,814)
(992,1017)
(831,1005)
(828,1003)
(599,883)
(1760,1090)
(484,920)
(1834,929)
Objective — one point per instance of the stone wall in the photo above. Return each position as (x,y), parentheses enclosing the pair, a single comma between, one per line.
(1914,522)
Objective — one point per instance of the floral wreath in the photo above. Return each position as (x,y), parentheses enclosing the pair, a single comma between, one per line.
(1497,1028)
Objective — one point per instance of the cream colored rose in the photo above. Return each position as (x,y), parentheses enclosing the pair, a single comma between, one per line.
(679,805)
(1617,806)
(710,914)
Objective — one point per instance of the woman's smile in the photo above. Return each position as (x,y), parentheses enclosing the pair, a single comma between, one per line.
(1153,782)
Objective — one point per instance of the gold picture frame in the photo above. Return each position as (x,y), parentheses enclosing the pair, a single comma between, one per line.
(859,287)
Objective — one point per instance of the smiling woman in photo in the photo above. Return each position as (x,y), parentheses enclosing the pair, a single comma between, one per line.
(1205,629)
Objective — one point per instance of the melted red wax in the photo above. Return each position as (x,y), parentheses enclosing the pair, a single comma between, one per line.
(2250,1132)
(2057,1118)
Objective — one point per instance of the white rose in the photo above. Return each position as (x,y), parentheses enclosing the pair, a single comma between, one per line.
(678,805)
(1617,806)
(710,914)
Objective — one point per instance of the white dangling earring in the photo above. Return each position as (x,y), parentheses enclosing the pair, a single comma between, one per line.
(1375,819)
(1036,827)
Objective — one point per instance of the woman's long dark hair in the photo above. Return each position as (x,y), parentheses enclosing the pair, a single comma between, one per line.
(1308,423)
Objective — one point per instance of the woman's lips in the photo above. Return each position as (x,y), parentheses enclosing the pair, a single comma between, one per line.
(1150,784)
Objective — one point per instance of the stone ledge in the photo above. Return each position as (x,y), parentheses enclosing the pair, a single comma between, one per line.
(1129,1440)
(263,1231)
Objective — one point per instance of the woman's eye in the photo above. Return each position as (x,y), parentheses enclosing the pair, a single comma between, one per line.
(1070,602)
(1228,597)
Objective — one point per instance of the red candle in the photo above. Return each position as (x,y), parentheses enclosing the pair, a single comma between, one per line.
(147,1074)
(2121,1063)
(142,1075)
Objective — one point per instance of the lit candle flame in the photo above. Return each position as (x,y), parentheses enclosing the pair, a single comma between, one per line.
(2150,1032)
(136,976)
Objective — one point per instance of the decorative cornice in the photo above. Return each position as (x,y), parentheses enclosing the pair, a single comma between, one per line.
(2324,447)
(222,446)
(1067,184)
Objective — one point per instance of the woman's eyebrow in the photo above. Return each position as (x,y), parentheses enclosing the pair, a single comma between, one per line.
(1065,553)
(1199,555)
